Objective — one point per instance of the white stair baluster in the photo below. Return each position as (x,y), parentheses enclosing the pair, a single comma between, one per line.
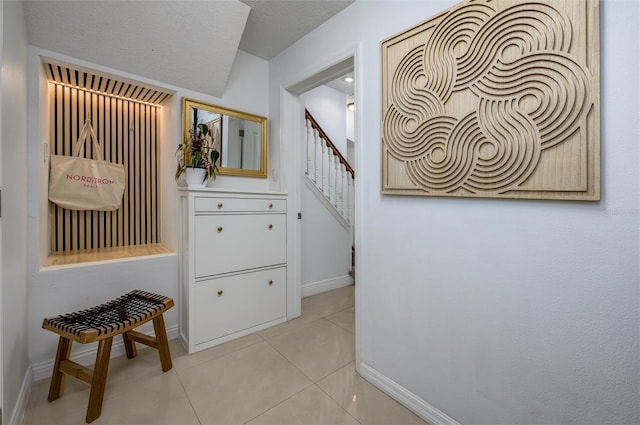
(345,210)
(347,198)
(343,189)
(336,182)
(325,168)
(334,186)
(317,157)
(339,193)
(345,194)
(332,189)
(351,200)
(310,149)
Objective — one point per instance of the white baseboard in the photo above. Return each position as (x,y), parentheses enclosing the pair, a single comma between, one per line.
(319,287)
(17,416)
(87,357)
(405,397)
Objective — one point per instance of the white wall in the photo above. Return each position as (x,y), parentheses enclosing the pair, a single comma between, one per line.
(328,107)
(326,245)
(246,91)
(1,299)
(351,152)
(493,311)
(351,136)
(56,290)
(14,207)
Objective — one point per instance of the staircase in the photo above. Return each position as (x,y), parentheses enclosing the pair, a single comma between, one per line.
(328,171)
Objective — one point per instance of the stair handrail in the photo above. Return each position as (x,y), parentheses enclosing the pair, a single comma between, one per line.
(322,134)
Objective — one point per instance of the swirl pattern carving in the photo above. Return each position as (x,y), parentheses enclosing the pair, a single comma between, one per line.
(472,108)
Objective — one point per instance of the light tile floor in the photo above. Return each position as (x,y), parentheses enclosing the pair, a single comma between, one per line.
(300,372)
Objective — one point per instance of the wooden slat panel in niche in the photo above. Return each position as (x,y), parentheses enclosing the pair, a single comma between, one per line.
(153,198)
(128,131)
(126,150)
(103,83)
(496,99)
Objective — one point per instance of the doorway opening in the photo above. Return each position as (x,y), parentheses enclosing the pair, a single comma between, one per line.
(324,106)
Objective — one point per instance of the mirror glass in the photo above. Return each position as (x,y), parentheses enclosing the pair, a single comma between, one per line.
(241,138)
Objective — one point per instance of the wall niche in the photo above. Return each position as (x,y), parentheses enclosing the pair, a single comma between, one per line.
(126,116)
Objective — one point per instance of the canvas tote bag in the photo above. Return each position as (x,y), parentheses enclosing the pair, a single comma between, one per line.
(78,183)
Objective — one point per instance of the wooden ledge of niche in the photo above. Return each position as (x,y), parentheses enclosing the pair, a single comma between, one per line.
(104,254)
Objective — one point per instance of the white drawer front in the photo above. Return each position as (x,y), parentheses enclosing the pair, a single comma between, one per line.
(209,204)
(228,243)
(231,304)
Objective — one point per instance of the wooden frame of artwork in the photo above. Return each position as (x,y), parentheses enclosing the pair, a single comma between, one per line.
(494,99)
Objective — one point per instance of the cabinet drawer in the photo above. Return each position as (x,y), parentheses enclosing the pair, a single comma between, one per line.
(208,204)
(228,243)
(231,304)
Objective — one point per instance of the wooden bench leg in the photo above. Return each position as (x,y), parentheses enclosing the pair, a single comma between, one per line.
(163,343)
(99,381)
(129,346)
(56,388)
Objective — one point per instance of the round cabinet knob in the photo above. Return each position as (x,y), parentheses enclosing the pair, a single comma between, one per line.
(270,205)
(270,282)
(220,292)
(219,204)
(271,226)
(219,229)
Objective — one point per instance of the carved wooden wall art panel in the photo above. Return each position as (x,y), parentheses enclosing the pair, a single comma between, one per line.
(494,99)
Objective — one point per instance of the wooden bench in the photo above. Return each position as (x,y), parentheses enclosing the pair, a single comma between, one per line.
(101,324)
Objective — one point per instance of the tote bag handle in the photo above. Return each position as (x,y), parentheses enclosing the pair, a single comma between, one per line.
(87,130)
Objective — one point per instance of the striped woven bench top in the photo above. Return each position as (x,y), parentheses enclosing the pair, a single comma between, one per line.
(109,319)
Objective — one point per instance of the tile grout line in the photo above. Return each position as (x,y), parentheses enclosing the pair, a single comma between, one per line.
(313,383)
(294,366)
(290,362)
(341,311)
(293,395)
(326,317)
(195,412)
(336,401)
(300,370)
(221,356)
(278,404)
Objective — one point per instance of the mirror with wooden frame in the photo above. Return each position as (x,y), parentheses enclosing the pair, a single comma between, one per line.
(241,140)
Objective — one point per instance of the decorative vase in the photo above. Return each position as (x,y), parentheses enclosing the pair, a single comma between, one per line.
(195,177)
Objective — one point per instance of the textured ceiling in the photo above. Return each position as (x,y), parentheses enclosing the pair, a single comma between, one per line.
(190,44)
(274,25)
(184,43)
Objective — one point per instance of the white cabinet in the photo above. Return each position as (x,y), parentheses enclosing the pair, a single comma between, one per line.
(233,268)
(225,242)
(238,302)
